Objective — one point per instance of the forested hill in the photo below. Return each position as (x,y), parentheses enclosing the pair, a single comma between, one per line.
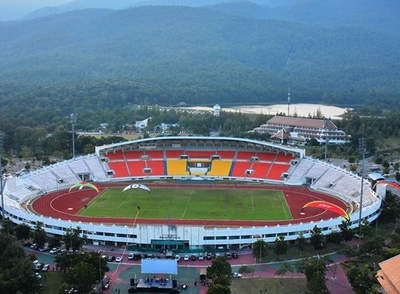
(167,54)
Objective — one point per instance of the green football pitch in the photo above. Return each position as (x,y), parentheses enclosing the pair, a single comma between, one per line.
(189,204)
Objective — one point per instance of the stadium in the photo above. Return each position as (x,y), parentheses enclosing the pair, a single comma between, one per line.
(205,192)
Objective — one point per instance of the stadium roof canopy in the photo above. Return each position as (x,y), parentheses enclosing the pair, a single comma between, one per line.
(178,142)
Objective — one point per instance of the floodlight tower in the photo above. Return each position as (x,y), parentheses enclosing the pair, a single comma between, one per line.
(288,103)
(73,117)
(326,138)
(362,146)
(1,179)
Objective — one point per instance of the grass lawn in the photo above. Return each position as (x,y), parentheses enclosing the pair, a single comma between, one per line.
(272,285)
(188,203)
(52,281)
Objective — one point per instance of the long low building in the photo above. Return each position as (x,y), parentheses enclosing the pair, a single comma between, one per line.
(216,159)
(297,130)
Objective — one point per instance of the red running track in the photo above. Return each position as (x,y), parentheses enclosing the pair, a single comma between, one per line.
(66,205)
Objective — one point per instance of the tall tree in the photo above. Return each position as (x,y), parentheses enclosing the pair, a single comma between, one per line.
(16,274)
(260,249)
(346,231)
(315,271)
(280,245)
(220,272)
(22,231)
(317,240)
(73,239)
(39,235)
(81,276)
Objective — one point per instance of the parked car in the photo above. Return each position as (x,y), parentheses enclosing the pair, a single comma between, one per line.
(130,256)
(110,258)
(177,257)
(46,268)
(186,257)
(119,259)
(201,256)
(193,257)
(54,250)
(137,256)
(235,255)
(38,266)
(228,255)
(236,275)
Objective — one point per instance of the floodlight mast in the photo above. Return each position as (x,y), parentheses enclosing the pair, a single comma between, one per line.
(362,144)
(1,179)
(73,117)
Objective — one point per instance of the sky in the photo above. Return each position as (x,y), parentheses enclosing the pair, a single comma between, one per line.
(14,9)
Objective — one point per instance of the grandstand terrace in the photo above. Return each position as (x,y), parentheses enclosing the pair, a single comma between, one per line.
(212,159)
(176,156)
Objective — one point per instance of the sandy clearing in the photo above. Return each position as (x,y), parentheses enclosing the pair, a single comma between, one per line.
(303,109)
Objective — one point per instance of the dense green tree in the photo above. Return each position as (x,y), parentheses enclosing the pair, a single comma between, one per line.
(73,239)
(81,276)
(54,241)
(16,274)
(220,272)
(22,231)
(39,235)
(334,237)
(372,245)
(301,242)
(7,227)
(365,229)
(362,279)
(259,249)
(391,207)
(346,231)
(281,245)
(218,289)
(315,271)
(317,240)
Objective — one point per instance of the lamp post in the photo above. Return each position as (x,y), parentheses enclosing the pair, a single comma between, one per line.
(361,142)
(73,117)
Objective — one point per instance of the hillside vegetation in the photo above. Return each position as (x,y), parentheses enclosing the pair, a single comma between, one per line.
(167,54)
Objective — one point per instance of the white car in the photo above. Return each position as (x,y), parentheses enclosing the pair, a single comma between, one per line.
(118,259)
(236,275)
(186,258)
(130,256)
(46,268)
(54,250)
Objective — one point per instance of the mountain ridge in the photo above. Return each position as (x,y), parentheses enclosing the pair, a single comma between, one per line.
(201,55)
